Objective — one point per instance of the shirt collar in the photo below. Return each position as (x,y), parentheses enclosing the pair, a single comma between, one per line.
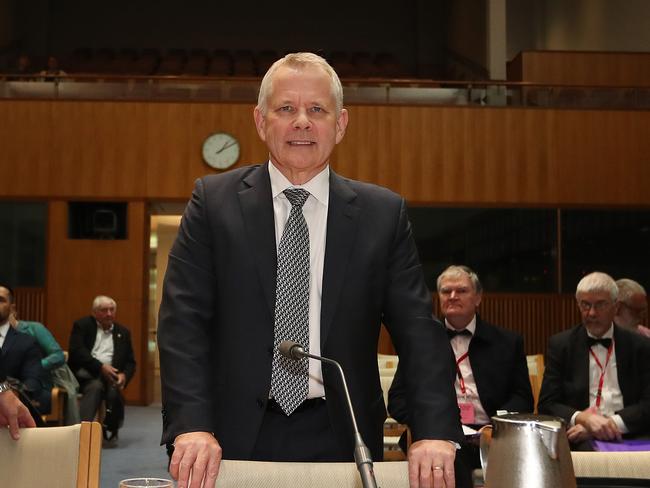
(471,326)
(318,186)
(4,329)
(109,331)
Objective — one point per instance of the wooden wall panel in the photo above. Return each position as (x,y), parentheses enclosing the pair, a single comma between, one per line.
(30,303)
(436,155)
(581,68)
(80,269)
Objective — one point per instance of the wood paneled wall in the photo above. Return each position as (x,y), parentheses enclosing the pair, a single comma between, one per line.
(80,269)
(535,316)
(147,151)
(446,155)
(30,303)
(581,68)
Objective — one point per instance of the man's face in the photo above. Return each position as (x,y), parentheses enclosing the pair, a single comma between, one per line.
(105,314)
(458,300)
(6,306)
(632,313)
(597,310)
(300,127)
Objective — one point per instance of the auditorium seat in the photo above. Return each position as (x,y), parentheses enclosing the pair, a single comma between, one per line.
(220,64)
(342,63)
(80,60)
(147,62)
(389,67)
(264,61)
(125,61)
(54,456)
(364,65)
(243,63)
(197,63)
(172,63)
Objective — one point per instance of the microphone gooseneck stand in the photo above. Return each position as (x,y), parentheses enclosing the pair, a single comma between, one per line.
(362,455)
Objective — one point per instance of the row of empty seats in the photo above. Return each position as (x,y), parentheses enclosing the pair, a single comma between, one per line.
(204,62)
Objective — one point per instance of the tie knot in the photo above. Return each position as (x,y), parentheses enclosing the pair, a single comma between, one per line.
(605,342)
(453,333)
(296,196)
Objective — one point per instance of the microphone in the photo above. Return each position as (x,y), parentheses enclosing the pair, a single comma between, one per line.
(362,457)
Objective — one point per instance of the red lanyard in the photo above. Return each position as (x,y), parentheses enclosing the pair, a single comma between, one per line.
(602,371)
(459,374)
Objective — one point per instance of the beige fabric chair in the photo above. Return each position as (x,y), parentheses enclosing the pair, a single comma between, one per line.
(251,474)
(56,457)
(611,464)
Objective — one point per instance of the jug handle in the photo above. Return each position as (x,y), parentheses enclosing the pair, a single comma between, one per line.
(486,438)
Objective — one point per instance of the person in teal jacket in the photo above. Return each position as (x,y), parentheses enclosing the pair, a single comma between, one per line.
(53,362)
(52,353)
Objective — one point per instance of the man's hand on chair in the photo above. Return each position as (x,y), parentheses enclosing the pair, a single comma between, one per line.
(196,457)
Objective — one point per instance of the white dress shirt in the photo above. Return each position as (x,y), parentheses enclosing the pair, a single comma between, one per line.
(4,329)
(103,348)
(611,396)
(315,213)
(460,345)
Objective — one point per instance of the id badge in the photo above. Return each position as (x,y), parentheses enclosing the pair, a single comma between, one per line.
(466,413)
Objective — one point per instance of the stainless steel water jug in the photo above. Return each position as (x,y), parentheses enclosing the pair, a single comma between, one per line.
(526,450)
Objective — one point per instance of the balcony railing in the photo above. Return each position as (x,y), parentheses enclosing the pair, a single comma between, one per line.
(361,91)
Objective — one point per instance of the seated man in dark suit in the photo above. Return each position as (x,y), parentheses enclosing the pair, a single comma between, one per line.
(491,370)
(597,374)
(22,357)
(101,357)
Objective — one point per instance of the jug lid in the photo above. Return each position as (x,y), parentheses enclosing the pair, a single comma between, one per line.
(547,421)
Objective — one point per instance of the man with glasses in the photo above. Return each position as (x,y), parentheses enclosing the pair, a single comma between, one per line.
(597,374)
(633,306)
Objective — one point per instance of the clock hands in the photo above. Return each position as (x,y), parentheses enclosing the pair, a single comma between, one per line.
(226,145)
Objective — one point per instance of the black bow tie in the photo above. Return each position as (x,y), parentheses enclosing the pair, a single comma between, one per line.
(592,341)
(453,333)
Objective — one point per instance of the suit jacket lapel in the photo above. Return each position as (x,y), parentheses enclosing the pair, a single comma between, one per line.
(342,219)
(256,202)
(581,367)
(621,349)
(9,340)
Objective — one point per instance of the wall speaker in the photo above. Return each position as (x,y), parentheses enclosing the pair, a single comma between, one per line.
(97,220)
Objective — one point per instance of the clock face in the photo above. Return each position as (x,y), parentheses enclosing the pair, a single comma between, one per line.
(220,150)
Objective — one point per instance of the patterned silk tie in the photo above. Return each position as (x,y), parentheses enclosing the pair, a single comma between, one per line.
(289,378)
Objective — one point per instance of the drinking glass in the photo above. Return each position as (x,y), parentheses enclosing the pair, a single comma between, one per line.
(149,482)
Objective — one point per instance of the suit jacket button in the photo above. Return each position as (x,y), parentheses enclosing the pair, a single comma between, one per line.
(260,402)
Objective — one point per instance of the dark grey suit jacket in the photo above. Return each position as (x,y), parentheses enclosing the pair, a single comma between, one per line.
(565,388)
(216,318)
(22,360)
(499,366)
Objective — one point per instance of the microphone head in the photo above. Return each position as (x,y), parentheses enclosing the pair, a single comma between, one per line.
(291,350)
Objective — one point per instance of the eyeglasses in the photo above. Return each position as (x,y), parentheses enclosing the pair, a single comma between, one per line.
(599,306)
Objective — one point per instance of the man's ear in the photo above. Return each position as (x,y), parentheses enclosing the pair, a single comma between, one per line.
(260,123)
(341,125)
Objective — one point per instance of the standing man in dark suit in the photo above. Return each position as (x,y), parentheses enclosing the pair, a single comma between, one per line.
(22,357)
(491,369)
(101,357)
(597,374)
(223,305)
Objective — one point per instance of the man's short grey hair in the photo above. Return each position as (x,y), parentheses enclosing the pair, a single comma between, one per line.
(628,288)
(596,282)
(457,271)
(300,61)
(101,299)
